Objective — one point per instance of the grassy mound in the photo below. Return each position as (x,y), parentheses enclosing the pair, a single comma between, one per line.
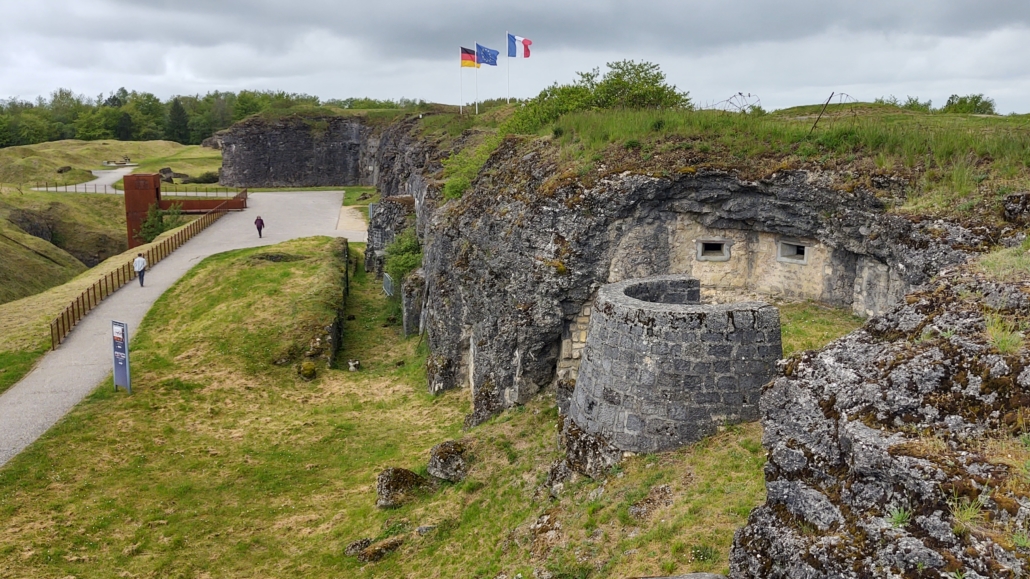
(82,228)
(32,164)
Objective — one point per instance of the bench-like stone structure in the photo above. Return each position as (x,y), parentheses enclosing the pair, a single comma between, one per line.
(661,370)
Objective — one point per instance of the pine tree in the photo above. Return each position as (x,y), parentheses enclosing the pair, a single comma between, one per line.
(125,127)
(178,129)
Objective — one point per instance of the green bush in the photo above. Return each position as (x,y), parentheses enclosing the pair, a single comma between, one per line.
(969,104)
(403,255)
(626,85)
(207,177)
(158,221)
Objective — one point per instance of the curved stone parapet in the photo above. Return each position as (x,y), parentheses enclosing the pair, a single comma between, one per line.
(661,370)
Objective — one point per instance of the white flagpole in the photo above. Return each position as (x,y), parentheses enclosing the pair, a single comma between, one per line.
(461,88)
(508,98)
(477,78)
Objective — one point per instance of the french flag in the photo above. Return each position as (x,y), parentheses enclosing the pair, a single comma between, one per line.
(518,47)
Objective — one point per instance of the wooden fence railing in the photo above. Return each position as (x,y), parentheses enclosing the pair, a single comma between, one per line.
(89,299)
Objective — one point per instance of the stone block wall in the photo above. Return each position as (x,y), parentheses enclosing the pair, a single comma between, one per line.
(413,294)
(656,376)
(391,217)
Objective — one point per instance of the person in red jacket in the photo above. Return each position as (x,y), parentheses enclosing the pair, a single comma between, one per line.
(260,224)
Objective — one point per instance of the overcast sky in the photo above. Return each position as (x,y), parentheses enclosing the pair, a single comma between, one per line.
(788,52)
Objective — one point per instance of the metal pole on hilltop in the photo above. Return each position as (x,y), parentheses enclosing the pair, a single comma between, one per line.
(477,78)
(507,99)
(461,88)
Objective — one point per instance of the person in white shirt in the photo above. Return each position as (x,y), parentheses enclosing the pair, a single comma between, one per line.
(140,265)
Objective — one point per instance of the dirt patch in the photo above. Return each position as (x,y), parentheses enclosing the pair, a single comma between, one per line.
(277,257)
(660,496)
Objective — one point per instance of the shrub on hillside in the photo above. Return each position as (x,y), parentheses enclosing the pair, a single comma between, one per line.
(404,255)
(626,85)
(969,104)
(208,177)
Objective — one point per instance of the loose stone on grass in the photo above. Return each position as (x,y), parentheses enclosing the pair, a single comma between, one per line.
(377,551)
(447,461)
(357,546)
(395,486)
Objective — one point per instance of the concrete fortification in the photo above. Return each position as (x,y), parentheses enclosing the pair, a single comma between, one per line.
(661,370)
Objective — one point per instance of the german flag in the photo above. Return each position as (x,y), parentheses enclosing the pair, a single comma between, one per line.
(468,57)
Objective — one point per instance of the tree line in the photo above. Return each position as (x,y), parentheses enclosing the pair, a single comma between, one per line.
(141,116)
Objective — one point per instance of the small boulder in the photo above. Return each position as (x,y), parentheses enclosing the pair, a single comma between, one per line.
(165,171)
(357,546)
(65,169)
(308,370)
(377,551)
(447,461)
(395,486)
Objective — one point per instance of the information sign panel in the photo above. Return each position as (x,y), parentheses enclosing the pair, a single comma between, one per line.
(120,340)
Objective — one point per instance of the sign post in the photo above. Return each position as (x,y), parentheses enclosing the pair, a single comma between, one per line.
(120,340)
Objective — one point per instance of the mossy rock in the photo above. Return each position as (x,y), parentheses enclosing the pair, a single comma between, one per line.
(308,370)
(377,551)
(395,486)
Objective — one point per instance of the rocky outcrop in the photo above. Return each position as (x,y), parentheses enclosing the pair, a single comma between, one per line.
(893,452)
(513,263)
(295,151)
(413,296)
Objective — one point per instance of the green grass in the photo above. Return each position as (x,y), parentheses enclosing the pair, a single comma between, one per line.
(15,365)
(189,159)
(810,326)
(1003,334)
(1006,264)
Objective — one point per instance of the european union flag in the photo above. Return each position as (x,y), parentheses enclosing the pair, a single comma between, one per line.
(486,55)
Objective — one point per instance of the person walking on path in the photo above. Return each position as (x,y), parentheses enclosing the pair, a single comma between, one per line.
(260,224)
(140,265)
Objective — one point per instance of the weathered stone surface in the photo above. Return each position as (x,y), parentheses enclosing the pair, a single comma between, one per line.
(589,454)
(389,217)
(295,151)
(413,295)
(896,417)
(661,370)
(448,461)
(356,547)
(513,263)
(395,486)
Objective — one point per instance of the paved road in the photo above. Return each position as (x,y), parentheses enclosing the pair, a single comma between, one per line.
(104,183)
(64,377)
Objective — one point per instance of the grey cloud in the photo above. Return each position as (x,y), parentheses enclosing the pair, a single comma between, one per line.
(784,50)
(405,27)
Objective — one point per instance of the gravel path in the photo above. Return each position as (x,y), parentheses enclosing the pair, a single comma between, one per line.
(66,376)
(104,183)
